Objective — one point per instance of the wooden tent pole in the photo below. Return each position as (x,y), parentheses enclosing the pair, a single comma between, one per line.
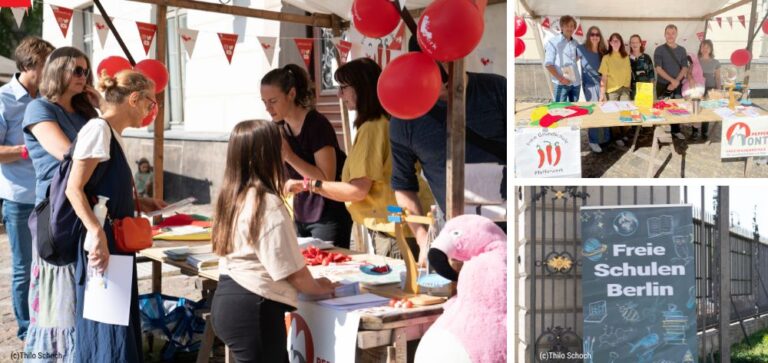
(159,137)
(456,134)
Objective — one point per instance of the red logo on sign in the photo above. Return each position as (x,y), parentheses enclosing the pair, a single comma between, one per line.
(545,154)
(738,129)
(297,328)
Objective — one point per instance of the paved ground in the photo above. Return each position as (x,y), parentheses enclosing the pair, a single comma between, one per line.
(694,158)
(173,284)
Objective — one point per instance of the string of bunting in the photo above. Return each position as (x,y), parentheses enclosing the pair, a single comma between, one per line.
(381,50)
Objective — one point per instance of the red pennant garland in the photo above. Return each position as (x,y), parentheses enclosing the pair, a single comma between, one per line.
(644,43)
(397,42)
(719,21)
(742,20)
(545,23)
(305,49)
(228,42)
(343,47)
(147,33)
(700,35)
(579,31)
(63,18)
(15,3)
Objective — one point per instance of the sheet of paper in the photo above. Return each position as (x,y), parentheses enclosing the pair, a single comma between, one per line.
(108,297)
(724,112)
(616,106)
(355,302)
(172,207)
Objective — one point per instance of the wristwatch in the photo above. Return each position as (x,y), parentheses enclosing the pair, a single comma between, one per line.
(317,184)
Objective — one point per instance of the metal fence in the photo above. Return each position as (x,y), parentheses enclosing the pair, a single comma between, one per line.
(552,229)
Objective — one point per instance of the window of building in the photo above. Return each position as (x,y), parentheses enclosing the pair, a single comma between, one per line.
(177,64)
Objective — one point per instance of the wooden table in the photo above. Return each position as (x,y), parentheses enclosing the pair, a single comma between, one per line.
(598,119)
(391,329)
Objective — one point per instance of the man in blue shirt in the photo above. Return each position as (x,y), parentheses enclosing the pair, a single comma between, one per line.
(560,59)
(422,142)
(17,176)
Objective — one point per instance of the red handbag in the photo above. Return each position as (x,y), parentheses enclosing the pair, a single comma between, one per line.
(132,234)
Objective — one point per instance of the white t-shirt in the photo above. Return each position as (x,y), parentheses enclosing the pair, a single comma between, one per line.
(262,267)
(93,141)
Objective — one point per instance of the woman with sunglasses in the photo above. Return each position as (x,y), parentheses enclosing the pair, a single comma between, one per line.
(50,124)
(310,151)
(616,78)
(591,52)
(100,162)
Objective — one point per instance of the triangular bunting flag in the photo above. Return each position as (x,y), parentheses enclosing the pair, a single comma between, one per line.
(545,22)
(18,14)
(63,17)
(228,42)
(101,28)
(15,3)
(742,20)
(147,34)
(700,35)
(579,31)
(719,22)
(189,39)
(268,44)
(644,43)
(709,25)
(398,38)
(487,58)
(730,21)
(343,47)
(305,49)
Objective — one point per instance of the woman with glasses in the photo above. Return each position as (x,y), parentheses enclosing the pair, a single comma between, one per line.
(100,166)
(50,124)
(591,52)
(365,184)
(310,151)
(616,78)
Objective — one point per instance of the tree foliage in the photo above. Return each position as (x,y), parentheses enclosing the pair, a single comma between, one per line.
(11,34)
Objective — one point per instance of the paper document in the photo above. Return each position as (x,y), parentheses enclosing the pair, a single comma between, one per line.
(355,302)
(616,106)
(107,297)
(172,207)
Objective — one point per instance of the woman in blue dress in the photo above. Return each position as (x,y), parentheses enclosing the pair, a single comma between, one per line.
(50,124)
(99,162)
(591,52)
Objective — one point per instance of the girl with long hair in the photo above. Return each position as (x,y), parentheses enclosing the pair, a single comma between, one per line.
(261,269)
(616,78)
(592,51)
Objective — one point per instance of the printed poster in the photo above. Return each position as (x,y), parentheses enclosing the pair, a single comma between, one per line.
(548,152)
(744,137)
(638,284)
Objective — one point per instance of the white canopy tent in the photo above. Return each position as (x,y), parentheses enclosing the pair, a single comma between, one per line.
(342,8)
(627,17)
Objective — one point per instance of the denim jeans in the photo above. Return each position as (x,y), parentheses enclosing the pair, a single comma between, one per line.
(600,135)
(567,93)
(15,216)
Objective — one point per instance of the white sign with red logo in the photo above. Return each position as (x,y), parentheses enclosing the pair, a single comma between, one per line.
(147,33)
(228,42)
(63,18)
(548,152)
(744,137)
(321,335)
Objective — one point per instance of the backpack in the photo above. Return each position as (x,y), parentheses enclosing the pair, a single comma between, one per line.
(55,222)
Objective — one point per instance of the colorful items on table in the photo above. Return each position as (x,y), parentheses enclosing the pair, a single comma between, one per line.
(644,94)
(548,115)
(314,256)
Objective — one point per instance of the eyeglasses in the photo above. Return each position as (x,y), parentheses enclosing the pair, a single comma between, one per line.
(81,72)
(152,102)
(594,34)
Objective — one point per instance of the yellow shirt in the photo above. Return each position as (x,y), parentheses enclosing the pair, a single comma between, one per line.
(618,70)
(371,157)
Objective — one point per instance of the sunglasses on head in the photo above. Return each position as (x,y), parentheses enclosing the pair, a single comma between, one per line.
(81,72)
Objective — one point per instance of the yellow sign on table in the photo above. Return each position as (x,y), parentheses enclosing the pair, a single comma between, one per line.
(644,95)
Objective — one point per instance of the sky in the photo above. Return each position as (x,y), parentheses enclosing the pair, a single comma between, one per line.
(742,204)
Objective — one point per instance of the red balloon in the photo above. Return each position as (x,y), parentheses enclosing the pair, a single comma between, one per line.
(740,57)
(519,47)
(156,71)
(765,27)
(150,117)
(410,85)
(450,29)
(481,4)
(520,26)
(375,18)
(112,65)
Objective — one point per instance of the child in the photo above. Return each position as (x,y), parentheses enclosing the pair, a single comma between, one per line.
(143,178)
